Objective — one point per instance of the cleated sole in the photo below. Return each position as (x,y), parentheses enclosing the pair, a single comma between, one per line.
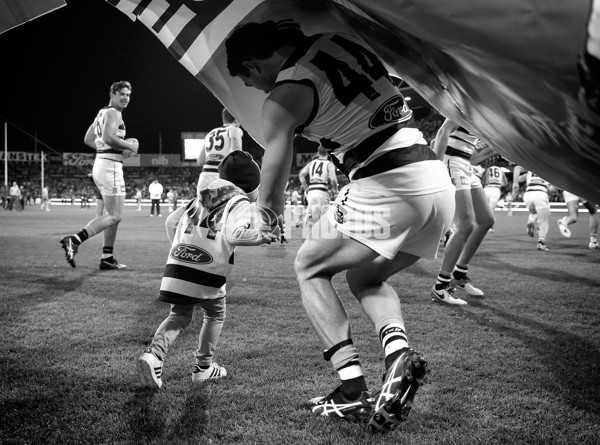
(396,410)
(71,261)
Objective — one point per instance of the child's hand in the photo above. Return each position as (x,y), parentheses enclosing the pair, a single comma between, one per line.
(268,237)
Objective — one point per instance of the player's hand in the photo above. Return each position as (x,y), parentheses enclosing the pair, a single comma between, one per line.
(133,142)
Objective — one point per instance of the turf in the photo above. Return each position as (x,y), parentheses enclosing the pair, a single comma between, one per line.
(519,366)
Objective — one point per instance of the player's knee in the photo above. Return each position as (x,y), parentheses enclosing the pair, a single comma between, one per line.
(465,228)
(306,269)
(116,219)
(488,222)
(300,267)
(357,281)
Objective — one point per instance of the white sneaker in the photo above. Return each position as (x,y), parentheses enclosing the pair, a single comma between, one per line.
(214,371)
(564,228)
(149,370)
(593,244)
(465,284)
(446,296)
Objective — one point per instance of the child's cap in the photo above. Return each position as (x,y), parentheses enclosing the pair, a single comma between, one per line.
(239,168)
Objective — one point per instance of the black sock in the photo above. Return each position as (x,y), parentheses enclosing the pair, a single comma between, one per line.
(107,252)
(80,237)
(352,388)
(460,272)
(442,281)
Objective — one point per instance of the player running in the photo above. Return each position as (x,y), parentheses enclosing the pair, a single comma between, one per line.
(317,179)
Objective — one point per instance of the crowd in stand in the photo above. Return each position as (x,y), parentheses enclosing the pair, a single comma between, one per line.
(70,183)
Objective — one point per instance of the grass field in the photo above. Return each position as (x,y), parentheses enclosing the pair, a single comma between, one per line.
(520,366)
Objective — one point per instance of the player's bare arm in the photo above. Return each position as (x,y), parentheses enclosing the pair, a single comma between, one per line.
(516,179)
(303,177)
(90,137)
(202,155)
(236,134)
(287,107)
(333,178)
(442,136)
(109,133)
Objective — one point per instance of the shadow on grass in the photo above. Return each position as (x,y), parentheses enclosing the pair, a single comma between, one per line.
(150,420)
(540,273)
(193,421)
(60,283)
(146,419)
(571,359)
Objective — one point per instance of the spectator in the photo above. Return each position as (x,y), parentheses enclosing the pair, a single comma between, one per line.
(14,196)
(156,191)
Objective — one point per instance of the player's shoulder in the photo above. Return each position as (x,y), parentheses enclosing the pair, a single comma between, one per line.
(234,130)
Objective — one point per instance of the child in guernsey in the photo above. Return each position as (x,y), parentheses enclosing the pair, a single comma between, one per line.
(203,240)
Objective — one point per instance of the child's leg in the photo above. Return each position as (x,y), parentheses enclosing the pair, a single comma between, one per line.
(214,317)
(178,319)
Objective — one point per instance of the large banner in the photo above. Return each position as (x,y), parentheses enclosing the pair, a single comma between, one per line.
(522,74)
(17,12)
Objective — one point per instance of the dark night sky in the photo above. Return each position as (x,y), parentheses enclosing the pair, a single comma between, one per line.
(57,70)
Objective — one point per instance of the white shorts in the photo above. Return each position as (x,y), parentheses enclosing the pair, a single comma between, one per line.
(389,221)
(492,193)
(536,200)
(108,176)
(318,198)
(568,196)
(461,173)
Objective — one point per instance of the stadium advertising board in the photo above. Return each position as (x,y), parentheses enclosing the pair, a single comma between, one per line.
(191,143)
(303,158)
(79,159)
(142,160)
(22,156)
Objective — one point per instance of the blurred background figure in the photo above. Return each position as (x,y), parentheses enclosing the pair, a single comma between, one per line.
(537,202)
(45,199)
(572,201)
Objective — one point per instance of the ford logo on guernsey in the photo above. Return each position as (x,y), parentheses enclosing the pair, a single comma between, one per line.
(191,254)
(393,110)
